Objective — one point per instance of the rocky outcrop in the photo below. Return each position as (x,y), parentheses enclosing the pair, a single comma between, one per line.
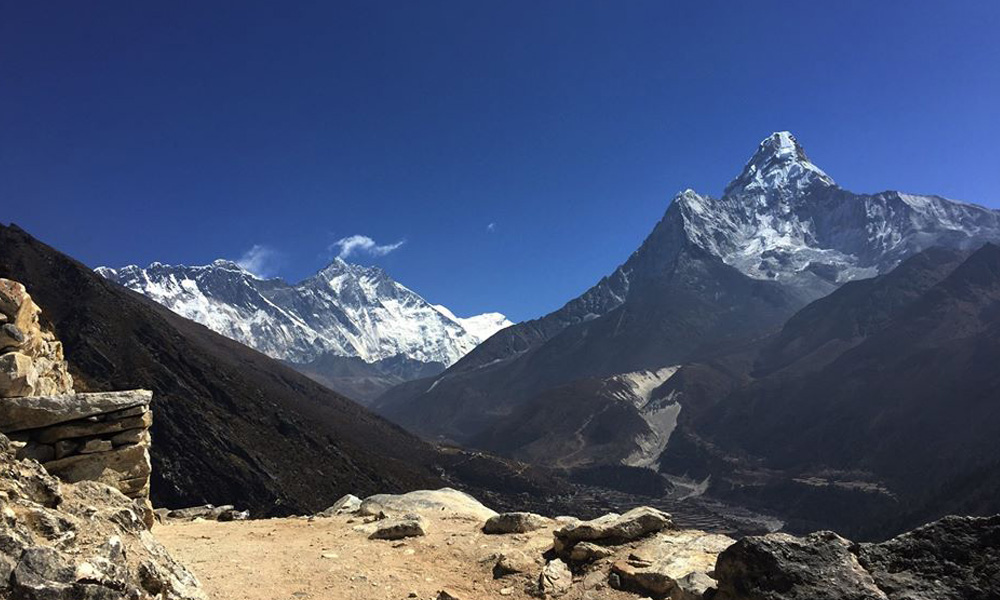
(99,437)
(31,359)
(672,564)
(955,558)
(781,566)
(63,541)
(611,529)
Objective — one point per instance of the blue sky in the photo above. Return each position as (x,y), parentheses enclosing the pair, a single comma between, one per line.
(518,150)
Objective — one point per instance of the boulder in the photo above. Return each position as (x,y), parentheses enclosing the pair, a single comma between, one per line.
(445,502)
(78,541)
(612,528)
(778,566)
(555,579)
(399,528)
(515,522)
(674,564)
(345,505)
(955,557)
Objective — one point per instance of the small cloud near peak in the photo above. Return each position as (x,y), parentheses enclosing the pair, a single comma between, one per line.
(362,244)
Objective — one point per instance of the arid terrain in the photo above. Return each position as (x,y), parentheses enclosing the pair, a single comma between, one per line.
(325,558)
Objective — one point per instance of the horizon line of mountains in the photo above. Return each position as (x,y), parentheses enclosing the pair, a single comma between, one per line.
(789,346)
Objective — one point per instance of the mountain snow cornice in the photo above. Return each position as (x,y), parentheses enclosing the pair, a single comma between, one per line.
(345,309)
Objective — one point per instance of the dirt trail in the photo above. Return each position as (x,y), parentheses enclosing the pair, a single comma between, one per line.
(326,559)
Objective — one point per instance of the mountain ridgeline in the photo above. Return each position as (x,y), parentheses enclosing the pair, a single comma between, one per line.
(350,327)
(662,363)
(232,425)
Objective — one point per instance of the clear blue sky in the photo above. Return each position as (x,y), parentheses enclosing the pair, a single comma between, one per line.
(185,131)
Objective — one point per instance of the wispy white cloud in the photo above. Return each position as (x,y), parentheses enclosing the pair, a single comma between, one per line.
(362,244)
(491,227)
(263,261)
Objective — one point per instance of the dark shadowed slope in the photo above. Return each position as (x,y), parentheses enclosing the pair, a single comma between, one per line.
(230,424)
(874,408)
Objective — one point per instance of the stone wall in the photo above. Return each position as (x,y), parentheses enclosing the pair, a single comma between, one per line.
(101,437)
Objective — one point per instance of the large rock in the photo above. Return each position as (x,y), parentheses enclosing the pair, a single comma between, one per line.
(444,502)
(954,558)
(22,331)
(17,414)
(78,541)
(779,566)
(399,528)
(675,564)
(515,522)
(613,528)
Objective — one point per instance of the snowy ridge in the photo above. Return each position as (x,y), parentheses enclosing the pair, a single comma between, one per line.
(786,220)
(345,309)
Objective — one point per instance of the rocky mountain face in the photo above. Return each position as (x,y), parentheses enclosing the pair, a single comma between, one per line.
(344,311)
(232,426)
(714,274)
(869,409)
(690,310)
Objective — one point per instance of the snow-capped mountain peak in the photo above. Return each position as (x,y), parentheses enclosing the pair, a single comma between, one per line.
(784,219)
(345,309)
(780,162)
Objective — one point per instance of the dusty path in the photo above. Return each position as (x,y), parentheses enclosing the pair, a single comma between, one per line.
(326,559)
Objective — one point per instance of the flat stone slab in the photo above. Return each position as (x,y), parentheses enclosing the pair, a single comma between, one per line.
(32,412)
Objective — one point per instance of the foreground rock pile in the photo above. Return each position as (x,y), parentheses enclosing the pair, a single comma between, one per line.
(954,558)
(444,545)
(97,437)
(31,359)
(84,541)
